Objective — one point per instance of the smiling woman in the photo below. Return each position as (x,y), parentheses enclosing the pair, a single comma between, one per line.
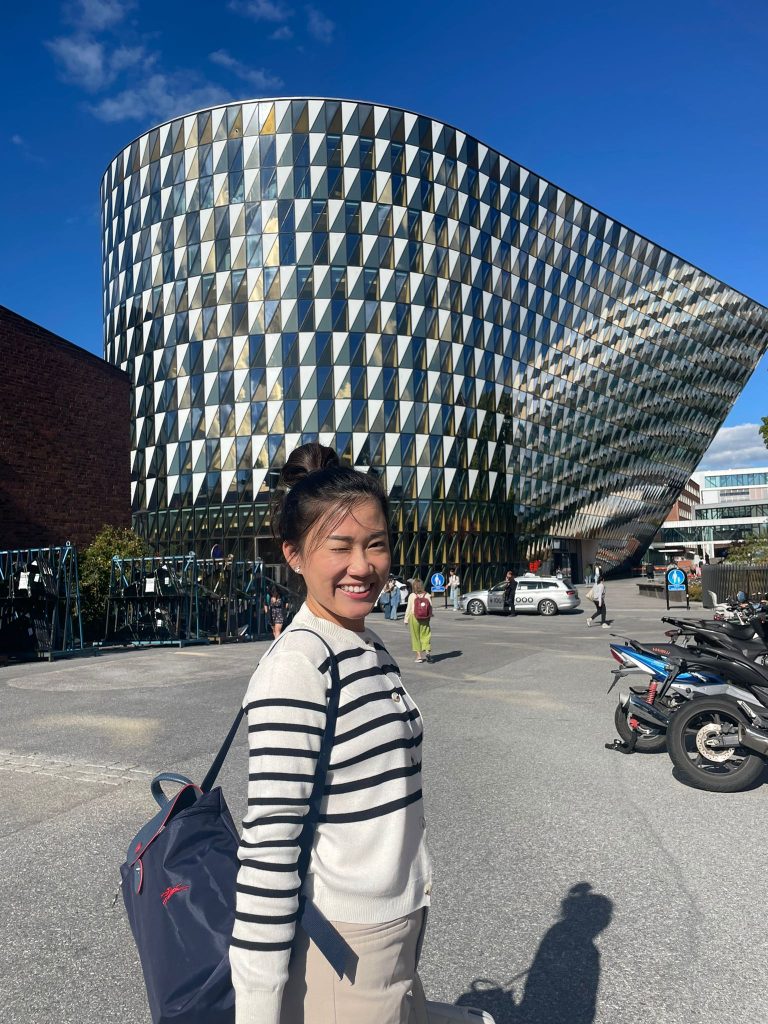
(369,872)
(332,524)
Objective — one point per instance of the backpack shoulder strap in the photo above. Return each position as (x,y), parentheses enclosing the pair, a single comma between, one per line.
(212,774)
(331,944)
(323,761)
(325,748)
(329,941)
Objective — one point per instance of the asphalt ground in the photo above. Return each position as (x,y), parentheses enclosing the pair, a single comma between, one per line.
(665,921)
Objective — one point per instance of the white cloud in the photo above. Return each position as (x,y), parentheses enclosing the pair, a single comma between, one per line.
(261,10)
(82,61)
(129,56)
(736,448)
(284,32)
(23,149)
(161,97)
(318,25)
(259,78)
(87,63)
(97,15)
(128,75)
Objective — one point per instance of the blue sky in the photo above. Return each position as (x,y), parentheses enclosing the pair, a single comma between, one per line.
(653,112)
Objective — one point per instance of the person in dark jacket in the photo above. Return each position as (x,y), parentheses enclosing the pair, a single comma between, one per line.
(509,593)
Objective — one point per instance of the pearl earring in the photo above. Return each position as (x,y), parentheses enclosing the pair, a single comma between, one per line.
(298,570)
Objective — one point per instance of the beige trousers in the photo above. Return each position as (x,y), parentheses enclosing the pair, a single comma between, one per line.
(380,992)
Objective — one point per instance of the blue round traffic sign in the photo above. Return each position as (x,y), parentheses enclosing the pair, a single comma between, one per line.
(438,581)
(675,579)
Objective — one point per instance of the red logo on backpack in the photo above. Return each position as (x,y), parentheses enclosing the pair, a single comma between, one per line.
(171,891)
(422,609)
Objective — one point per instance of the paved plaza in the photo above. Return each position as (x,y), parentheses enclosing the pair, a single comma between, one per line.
(665,918)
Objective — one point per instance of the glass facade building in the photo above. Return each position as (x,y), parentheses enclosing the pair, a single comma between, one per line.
(733,506)
(532,378)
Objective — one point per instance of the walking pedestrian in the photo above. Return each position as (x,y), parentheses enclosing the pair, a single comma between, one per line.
(509,593)
(394,604)
(385,598)
(598,596)
(274,609)
(454,585)
(392,591)
(588,573)
(372,878)
(418,615)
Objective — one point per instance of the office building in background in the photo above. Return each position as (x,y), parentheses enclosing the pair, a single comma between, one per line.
(531,378)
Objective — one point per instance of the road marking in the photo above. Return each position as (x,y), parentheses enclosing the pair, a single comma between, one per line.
(198,654)
(73,770)
(123,732)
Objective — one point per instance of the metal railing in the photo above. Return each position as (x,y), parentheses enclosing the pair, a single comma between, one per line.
(183,599)
(40,615)
(727,580)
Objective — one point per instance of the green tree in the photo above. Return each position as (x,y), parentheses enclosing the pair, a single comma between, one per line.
(764,431)
(752,551)
(95,564)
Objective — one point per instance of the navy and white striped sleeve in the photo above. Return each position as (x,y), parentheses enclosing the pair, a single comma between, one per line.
(286,711)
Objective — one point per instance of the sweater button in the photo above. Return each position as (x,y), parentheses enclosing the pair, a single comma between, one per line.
(428,889)
(395,696)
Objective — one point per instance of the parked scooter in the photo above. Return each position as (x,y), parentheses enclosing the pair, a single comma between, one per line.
(720,743)
(645,730)
(643,714)
(749,638)
(740,608)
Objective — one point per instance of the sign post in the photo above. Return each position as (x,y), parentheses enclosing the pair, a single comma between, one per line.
(676,582)
(437,583)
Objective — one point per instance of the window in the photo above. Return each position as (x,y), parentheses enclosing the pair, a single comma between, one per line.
(737,480)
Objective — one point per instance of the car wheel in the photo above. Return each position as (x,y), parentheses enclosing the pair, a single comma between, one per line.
(476,608)
(547,607)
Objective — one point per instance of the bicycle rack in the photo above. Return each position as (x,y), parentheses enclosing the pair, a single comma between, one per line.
(153,602)
(232,599)
(40,603)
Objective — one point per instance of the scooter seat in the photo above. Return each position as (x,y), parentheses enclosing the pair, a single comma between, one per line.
(753,649)
(737,631)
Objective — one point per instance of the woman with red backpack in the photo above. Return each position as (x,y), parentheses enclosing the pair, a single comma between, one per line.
(418,613)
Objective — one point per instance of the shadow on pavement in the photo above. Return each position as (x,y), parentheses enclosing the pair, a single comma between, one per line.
(562,982)
(445,655)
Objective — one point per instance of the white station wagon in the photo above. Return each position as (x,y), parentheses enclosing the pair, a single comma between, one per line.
(545,595)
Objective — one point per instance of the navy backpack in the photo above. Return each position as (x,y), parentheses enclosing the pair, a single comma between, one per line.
(178,884)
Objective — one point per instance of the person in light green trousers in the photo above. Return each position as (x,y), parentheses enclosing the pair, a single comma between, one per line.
(419,625)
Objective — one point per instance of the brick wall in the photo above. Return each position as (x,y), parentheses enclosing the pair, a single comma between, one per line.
(64,439)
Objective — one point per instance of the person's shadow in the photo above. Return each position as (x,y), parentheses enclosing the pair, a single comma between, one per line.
(445,655)
(562,982)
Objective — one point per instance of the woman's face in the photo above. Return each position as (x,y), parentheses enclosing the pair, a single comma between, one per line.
(345,564)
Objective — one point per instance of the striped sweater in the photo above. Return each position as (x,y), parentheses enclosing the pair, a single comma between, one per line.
(369,861)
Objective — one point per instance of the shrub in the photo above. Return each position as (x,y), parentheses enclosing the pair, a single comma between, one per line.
(752,551)
(694,590)
(95,565)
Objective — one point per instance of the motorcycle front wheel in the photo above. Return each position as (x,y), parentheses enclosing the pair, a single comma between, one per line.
(718,770)
(649,740)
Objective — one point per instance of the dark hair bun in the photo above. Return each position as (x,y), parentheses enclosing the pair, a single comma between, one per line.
(308,458)
(314,484)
